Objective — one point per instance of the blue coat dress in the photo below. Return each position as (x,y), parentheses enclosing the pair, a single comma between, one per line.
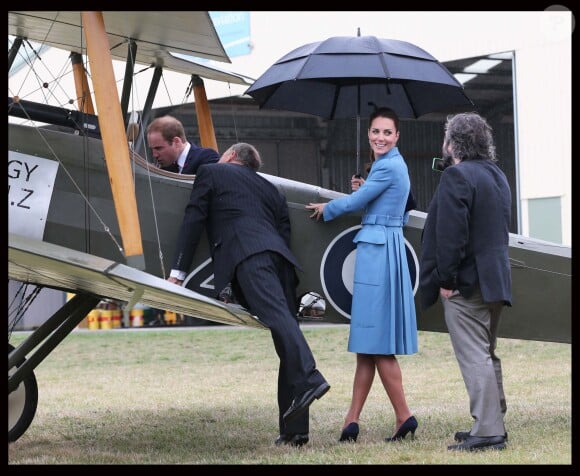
(383,319)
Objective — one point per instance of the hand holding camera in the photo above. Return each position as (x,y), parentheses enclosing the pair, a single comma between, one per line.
(439,165)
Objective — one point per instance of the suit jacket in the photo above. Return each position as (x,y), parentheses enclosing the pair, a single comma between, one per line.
(465,239)
(195,157)
(243,214)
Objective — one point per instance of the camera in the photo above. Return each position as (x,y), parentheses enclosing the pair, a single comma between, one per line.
(439,165)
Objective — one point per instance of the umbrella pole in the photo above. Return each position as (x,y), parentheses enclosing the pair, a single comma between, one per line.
(358,172)
(358,144)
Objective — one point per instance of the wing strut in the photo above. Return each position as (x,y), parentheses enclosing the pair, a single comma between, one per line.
(128,80)
(204,120)
(14,51)
(157,73)
(84,100)
(48,336)
(114,137)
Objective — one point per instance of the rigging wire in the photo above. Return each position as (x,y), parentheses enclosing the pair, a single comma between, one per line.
(233,112)
(17,310)
(39,131)
(141,132)
(66,171)
(44,87)
(86,175)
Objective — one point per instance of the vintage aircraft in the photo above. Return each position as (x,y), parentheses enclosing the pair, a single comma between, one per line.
(90,215)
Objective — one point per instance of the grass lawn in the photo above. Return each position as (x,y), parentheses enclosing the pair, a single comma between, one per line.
(207,396)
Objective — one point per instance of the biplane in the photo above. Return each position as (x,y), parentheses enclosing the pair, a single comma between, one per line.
(91,215)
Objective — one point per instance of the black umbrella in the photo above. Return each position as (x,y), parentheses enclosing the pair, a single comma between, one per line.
(346,76)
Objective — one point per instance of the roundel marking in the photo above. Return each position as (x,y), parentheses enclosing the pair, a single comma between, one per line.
(337,270)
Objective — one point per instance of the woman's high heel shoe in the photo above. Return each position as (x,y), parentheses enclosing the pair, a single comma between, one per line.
(410,425)
(350,433)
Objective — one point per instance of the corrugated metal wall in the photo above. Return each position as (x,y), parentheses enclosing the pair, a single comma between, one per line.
(319,152)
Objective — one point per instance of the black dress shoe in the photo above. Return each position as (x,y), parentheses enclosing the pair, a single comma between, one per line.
(299,439)
(479,443)
(463,435)
(350,433)
(301,403)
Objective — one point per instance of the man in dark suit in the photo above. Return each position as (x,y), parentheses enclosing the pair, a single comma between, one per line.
(248,227)
(464,260)
(167,141)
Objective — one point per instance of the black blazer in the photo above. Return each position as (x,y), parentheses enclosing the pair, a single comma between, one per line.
(243,214)
(195,157)
(465,239)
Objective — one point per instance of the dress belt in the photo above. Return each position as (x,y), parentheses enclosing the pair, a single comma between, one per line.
(385,220)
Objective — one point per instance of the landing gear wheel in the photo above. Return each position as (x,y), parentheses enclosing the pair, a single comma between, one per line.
(22,404)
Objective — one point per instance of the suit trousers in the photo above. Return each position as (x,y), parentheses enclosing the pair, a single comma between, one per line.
(267,282)
(472,326)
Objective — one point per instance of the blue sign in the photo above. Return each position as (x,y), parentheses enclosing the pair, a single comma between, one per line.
(233,29)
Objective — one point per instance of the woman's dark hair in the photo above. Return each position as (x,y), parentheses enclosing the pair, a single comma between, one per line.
(384,112)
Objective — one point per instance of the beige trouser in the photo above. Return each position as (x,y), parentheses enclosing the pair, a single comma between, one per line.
(472,326)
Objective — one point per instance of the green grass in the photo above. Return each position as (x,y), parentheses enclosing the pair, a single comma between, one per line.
(207,396)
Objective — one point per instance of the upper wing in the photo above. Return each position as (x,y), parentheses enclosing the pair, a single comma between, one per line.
(45,264)
(157,34)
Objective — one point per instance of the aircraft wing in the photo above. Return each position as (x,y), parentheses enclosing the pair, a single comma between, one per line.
(38,262)
(157,35)
(185,64)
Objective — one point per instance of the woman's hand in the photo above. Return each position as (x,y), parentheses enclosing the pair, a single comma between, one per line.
(356,182)
(317,209)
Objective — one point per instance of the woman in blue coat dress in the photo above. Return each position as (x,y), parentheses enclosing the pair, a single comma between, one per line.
(383,321)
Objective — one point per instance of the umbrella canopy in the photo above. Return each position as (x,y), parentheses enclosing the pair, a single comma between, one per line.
(344,77)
